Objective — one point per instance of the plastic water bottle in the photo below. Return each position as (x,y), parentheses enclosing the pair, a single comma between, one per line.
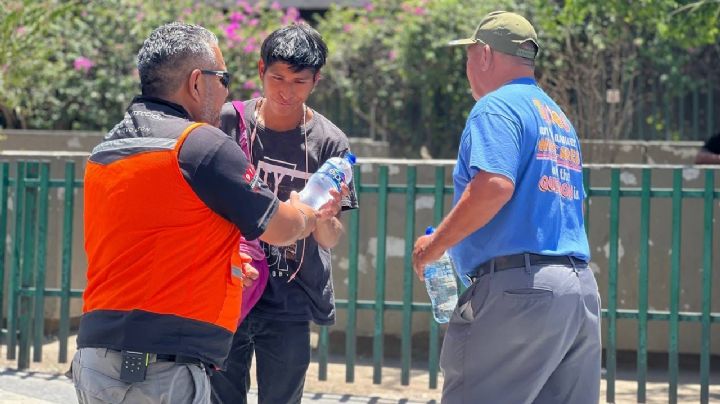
(330,175)
(441,286)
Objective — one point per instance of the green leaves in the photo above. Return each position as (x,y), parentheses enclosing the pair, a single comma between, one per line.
(71,64)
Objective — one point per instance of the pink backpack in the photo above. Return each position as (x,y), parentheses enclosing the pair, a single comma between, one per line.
(251,294)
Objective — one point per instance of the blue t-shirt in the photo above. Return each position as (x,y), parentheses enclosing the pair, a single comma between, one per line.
(519,132)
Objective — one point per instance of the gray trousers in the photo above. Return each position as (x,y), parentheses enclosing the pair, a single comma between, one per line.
(525,335)
(96,375)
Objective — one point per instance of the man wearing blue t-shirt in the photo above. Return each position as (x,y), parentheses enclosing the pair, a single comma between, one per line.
(527,330)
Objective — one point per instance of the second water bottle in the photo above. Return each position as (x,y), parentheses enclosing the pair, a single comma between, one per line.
(441,286)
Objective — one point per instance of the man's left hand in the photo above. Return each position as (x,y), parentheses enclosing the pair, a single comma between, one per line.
(250,275)
(422,255)
(332,207)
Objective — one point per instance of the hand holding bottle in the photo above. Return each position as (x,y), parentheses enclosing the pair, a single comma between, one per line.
(331,176)
(439,276)
(309,214)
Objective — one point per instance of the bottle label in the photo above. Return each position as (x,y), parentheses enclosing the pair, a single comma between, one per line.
(336,174)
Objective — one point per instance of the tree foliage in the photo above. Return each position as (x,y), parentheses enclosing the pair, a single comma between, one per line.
(71,64)
(419,97)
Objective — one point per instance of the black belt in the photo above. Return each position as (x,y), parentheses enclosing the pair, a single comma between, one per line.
(178,359)
(518,261)
(170,358)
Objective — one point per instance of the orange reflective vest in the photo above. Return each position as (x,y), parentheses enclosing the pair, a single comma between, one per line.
(160,275)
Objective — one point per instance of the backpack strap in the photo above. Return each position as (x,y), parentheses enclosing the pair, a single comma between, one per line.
(242,137)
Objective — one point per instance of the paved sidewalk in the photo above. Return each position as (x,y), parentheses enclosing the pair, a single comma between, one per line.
(18,387)
(34,387)
(45,383)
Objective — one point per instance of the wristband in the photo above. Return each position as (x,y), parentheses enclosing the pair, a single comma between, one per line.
(305,217)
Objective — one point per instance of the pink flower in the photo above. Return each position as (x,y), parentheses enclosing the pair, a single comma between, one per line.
(230,31)
(292,13)
(237,17)
(275,6)
(249,85)
(83,63)
(369,7)
(187,11)
(21,30)
(419,11)
(247,7)
(254,22)
(347,27)
(250,48)
(392,55)
(406,7)
(255,94)
(140,16)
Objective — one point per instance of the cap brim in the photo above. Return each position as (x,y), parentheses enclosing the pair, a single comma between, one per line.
(460,42)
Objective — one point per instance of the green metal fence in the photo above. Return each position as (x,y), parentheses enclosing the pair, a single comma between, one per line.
(28,191)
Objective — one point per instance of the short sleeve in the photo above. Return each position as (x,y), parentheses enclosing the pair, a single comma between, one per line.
(221,176)
(493,145)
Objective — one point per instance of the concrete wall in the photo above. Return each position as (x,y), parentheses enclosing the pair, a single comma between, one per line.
(40,145)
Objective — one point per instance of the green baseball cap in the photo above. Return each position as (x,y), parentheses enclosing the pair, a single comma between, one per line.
(505,32)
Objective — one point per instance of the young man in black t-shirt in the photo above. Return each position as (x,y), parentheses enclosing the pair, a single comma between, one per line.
(287,142)
(710,152)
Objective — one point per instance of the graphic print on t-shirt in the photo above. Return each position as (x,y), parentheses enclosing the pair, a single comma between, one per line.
(557,143)
(281,177)
(278,174)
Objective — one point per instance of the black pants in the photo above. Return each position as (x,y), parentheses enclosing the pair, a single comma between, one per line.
(282,352)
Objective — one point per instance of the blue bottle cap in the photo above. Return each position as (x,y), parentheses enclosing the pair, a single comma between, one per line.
(351,158)
(430,230)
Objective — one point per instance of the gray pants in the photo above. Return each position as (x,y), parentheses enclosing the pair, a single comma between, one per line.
(525,335)
(96,374)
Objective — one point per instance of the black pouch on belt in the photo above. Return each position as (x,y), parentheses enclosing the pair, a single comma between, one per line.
(134,366)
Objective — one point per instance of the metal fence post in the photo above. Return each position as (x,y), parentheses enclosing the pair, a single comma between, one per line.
(408,277)
(353,251)
(28,265)
(611,350)
(65,277)
(675,283)
(378,333)
(14,282)
(643,284)
(42,230)
(707,287)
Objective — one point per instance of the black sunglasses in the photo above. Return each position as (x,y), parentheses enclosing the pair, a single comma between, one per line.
(223,75)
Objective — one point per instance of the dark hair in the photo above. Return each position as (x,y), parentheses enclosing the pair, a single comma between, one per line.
(298,45)
(170,53)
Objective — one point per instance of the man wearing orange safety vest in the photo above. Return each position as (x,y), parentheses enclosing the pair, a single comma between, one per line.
(167,197)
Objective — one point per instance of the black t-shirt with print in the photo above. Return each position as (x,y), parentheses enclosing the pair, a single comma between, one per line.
(279,158)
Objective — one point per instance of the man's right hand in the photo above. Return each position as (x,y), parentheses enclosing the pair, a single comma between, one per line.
(293,221)
(309,214)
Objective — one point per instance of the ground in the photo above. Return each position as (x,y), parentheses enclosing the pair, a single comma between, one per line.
(44,382)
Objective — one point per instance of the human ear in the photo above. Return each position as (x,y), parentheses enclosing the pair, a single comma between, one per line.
(193,84)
